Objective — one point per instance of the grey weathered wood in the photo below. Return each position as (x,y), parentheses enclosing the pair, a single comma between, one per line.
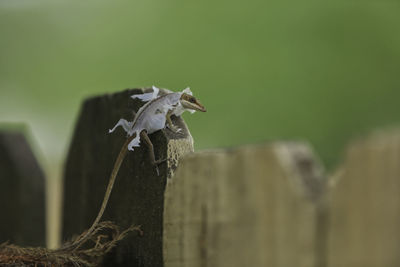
(22,193)
(250,206)
(138,195)
(364,225)
(264,205)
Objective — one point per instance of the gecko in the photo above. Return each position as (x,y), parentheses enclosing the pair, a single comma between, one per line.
(153,116)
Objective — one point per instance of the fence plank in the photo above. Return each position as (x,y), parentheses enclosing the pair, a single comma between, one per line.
(251,206)
(138,195)
(22,193)
(365,203)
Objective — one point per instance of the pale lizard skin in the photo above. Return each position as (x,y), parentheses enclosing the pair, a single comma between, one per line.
(151,117)
(155,113)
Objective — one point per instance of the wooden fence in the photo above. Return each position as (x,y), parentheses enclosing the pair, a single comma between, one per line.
(22,193)
(257,205)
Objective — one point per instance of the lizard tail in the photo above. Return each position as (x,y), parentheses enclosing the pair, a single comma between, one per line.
(83,238)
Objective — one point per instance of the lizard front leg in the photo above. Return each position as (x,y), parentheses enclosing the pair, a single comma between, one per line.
(171,126)
(153,160)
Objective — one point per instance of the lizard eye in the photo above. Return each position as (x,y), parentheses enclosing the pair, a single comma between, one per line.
(192,100)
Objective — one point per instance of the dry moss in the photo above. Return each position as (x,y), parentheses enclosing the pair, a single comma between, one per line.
(104,237)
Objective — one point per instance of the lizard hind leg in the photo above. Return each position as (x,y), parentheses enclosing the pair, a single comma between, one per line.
(149,144)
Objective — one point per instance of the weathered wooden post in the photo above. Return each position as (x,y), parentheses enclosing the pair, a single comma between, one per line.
(264,205)
(22,193)
(250,206)
(364,225)
(138,194)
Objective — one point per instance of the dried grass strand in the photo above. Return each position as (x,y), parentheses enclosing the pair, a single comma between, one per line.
(100,241)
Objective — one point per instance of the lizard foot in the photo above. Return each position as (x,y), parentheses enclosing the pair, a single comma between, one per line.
(174,129)
(156,163)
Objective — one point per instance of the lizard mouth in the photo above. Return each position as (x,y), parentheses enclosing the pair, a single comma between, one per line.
(194,106)
(200,107)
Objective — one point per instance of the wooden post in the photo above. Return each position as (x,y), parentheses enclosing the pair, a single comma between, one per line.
(251,206)
(138,194)
(22,193)
(264,205)
(364,225)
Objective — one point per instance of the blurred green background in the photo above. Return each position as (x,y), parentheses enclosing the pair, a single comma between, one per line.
(321,71)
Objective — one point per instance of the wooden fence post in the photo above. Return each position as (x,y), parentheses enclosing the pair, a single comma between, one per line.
(364,225)
(138,195)
(250,206)
(264,205)
(22,193)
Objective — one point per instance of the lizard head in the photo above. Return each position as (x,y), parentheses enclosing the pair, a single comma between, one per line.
(190,102)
